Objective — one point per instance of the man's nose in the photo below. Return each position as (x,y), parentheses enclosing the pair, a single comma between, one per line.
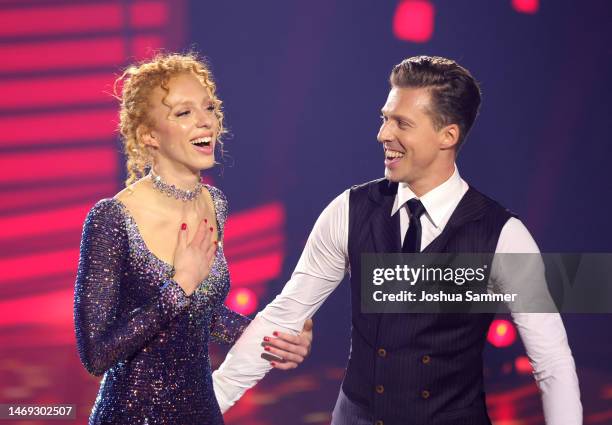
(384,133)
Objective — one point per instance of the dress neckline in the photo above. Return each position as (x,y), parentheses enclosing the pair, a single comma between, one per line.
(132,222)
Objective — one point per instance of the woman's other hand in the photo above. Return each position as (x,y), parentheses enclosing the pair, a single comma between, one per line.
(291,350)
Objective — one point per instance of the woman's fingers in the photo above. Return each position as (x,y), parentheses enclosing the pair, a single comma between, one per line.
(208,237)
(288,343)
(302,340)
(210,254)
(283,365)
(286,356)
(201,233)
(183,236)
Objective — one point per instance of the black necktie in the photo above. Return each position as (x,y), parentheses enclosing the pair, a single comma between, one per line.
(412,240)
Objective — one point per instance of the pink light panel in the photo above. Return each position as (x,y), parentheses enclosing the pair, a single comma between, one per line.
(501,333)
(526,6)
(414,21)
(59,149)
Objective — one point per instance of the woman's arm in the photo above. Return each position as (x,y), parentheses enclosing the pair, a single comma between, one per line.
(227,325)
(105,335)
(319,271)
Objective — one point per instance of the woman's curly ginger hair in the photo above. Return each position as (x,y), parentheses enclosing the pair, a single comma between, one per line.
(139,81)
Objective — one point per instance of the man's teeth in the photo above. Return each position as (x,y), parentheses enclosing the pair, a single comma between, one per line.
(393,154)
(202,141)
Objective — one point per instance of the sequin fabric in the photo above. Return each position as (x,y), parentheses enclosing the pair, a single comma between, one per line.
(136,327)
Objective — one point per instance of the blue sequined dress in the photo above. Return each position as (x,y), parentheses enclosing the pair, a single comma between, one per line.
(136,326)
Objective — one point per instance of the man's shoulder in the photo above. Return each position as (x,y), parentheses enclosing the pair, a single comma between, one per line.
(486,202)
(380,186)
(366,185)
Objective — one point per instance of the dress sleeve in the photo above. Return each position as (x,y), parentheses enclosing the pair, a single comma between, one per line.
(105,334)
(227,325)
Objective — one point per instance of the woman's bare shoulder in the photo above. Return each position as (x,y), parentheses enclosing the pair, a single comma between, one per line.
(133,194)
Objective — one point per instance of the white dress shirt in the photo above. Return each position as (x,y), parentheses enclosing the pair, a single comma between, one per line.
(323,265)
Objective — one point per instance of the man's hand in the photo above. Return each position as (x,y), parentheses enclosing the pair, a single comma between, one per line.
(288,351)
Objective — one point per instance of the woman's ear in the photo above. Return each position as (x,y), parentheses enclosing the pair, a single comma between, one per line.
(146,136)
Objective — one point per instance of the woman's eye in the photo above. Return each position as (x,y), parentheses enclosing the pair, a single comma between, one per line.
(181,114)
(211,107)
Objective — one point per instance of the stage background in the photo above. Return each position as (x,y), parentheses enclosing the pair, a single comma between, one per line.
(302,85)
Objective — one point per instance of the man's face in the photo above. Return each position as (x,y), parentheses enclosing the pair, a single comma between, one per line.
(411,144)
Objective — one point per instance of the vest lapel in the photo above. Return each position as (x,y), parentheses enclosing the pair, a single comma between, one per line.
(385,229)
(471,207)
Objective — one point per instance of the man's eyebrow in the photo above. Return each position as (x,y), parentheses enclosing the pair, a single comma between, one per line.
(398,117)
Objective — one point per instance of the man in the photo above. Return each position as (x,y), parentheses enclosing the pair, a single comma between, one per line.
(413,368)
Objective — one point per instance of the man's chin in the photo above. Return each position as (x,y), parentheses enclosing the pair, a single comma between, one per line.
(393,177)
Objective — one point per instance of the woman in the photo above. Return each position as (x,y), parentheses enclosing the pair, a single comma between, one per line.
(152,275)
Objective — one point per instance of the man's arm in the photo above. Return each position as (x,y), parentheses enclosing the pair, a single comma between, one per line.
(543,334)
(319,271)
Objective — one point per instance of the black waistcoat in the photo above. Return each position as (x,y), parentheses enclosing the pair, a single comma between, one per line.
(418,368)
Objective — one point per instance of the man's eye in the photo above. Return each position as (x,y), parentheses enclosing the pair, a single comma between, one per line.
(181,114)
(382,117)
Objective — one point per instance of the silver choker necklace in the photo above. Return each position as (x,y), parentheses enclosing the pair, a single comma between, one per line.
(173,191)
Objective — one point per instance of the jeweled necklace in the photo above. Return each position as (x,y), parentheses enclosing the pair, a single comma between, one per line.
(173,191)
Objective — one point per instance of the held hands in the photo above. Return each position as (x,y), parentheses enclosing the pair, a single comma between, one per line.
(193,260)
(291,350)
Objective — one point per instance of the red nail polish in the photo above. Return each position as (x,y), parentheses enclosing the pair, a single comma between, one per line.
(267,348)
(275,333)
(273,364)
(267,338)
(183,226)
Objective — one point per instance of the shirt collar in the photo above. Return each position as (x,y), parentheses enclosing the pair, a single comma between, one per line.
(437,202)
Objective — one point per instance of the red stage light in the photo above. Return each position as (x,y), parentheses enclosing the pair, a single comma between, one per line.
(67,54)
(256,269)
(526,6)
(81,18)
(56,91)
(59,164)
(58,128)
(522,365)
(501,333)
(242,300)
(145,47)
(414,21)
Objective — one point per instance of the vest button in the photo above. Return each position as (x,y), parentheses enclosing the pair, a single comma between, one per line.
(425,359)
(378,422)
(425,394)
(382,352)
(380,389)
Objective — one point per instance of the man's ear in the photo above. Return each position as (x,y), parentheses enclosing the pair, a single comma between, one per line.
(146,136)
(449,136)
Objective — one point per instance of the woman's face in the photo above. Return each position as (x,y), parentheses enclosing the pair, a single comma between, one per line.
(185,125)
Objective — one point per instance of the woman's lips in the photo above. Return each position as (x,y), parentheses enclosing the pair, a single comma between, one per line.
(206,150)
